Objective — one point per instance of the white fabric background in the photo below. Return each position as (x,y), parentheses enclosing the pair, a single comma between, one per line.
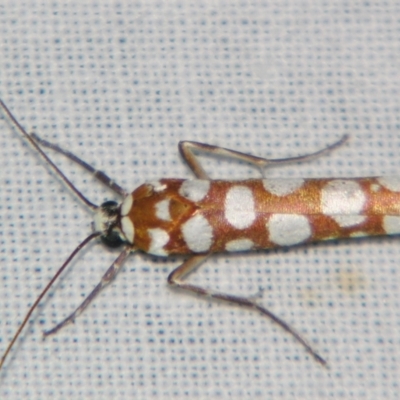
(120,84)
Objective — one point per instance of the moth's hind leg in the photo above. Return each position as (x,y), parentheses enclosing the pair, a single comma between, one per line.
(187,149)
(176,279)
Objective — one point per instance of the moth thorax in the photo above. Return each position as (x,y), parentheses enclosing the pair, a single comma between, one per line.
(106,221)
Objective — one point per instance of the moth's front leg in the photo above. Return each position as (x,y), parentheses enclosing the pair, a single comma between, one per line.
(105,280)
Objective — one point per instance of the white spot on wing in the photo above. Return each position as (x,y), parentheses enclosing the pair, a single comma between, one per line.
(390,182)
(158,186)
(391,224)
(126,205)
(348,220)
(128,229)
(162,210)
(198,234)
(343,200)
(282,187)
(239,207)
(194,190)
(159,238)
(239,245)
(288,229)
(375,187)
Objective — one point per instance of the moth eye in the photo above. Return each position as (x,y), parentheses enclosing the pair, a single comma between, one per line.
(112,239)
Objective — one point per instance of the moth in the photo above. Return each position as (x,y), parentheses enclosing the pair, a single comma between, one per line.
(202,216)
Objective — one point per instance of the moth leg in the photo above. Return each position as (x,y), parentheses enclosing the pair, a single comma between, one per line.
(176,279)
(45,157)
(100,175)
(105,280)
(187,149)
(42,294)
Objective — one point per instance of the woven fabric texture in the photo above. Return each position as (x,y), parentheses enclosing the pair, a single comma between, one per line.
(120,84)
